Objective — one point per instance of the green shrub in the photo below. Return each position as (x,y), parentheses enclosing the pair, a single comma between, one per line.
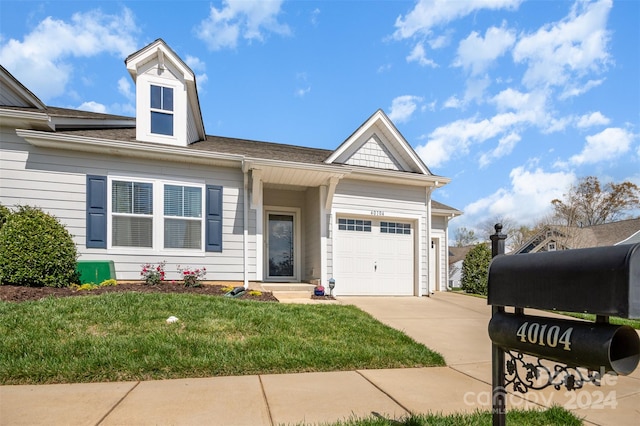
(4,215)
(36,250)
(475,270)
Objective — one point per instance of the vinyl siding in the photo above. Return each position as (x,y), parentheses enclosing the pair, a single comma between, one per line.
(55,181)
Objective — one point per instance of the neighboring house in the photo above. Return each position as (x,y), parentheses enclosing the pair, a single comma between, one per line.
(156,187)
(456,257)
(555,237)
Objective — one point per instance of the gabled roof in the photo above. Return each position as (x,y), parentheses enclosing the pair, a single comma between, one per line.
(457,254)
(380,131)
(441,209)
(160,52)
(15,94)
(573,237)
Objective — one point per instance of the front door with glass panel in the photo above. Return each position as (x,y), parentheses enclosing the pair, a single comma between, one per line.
(281,246)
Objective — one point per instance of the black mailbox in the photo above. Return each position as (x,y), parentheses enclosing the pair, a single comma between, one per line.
(603,281)
(607,347)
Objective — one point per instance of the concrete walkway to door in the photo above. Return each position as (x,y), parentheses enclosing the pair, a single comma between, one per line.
(455,325)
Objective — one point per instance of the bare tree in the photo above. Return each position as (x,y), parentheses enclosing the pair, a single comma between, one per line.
(589,203)
(465,237)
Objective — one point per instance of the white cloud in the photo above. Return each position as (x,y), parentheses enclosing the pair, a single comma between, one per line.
(403,107)
(300,93)
(607,145)
(124,88)
(384,68)
(476,54)
(93,107)
(249,19)
(593,119)
(40,60)
(419,55)
(314,17)
(196,64)
(505,147)
(432,13)
(453,102)
(455,139)
(528,198)
(440,41)
(475,90)
(574,89)
(566,50)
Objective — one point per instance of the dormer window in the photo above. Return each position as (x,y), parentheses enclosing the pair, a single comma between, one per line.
(162,110)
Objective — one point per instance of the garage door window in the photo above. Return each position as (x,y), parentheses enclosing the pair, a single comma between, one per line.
(395,228)
(354,225)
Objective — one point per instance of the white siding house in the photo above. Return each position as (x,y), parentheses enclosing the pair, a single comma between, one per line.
(156,188)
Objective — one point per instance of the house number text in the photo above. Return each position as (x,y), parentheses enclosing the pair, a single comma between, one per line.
(377,213)
(543,335)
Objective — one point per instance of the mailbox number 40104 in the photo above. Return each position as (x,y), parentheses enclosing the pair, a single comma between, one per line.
(543,335)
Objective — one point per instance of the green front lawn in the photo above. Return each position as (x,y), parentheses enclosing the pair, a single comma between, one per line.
(552,416)
(124,336)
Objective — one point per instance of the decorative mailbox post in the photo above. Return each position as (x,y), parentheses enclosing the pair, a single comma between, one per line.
(604,281)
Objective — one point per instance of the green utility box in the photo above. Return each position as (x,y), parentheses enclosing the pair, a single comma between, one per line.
(96,271)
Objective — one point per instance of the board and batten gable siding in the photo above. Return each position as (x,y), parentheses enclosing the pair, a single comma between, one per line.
(394,201)
(55,181)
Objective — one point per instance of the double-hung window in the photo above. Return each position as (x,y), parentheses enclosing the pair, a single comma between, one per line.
(161,110)
(182,217)
(157,215)
(132,214)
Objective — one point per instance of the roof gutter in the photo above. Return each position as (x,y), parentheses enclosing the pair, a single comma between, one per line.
(133,149)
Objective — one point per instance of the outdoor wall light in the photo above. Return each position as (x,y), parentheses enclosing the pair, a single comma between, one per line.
(332,284)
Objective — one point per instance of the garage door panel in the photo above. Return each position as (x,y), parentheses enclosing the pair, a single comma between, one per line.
(375,263)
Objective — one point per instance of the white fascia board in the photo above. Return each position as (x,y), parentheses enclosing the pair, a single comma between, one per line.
(404,178)
(448,213)
(257,163)
(129,149)
(88,123)
(21,118)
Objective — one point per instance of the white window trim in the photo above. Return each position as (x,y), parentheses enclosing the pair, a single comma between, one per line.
(147,109)
(158,218)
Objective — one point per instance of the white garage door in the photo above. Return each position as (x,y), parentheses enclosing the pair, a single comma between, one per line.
(374,257)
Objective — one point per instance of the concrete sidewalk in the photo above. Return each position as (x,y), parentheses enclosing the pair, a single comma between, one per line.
(454,325)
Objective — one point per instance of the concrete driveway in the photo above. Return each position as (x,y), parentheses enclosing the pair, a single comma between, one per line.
(455,325)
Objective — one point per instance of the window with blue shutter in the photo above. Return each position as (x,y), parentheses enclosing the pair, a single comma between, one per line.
(213,230)
(96,212)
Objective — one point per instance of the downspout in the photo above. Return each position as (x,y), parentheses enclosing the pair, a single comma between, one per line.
(429,266)
(245,225)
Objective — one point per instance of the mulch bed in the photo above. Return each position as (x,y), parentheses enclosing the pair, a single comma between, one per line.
(11,293)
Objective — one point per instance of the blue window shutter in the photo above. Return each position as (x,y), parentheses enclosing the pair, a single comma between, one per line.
(96,211)
(213,218)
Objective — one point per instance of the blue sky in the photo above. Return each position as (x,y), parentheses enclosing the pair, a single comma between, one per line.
(513,100)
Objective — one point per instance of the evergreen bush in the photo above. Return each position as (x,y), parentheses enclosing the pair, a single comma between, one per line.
(475,270)
(36,250)
(4,215)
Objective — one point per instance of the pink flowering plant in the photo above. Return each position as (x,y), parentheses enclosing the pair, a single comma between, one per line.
(192,277)
(153,274)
